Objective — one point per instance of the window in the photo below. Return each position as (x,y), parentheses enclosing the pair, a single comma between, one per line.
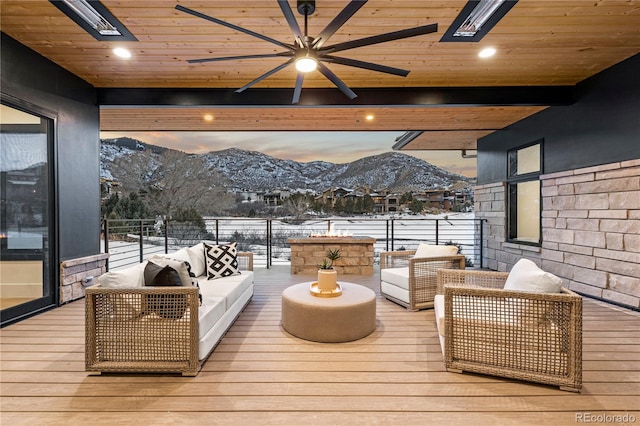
(523,194)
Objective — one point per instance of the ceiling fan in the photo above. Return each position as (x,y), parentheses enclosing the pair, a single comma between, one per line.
(310,53)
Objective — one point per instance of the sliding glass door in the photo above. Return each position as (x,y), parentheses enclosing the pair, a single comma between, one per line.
(26,227)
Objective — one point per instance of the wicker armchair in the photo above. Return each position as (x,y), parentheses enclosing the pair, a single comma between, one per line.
(535,337)
(411,282)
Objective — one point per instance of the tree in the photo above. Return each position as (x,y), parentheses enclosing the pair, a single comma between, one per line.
(297,205)
(368,205)
(416,206)
(130,207)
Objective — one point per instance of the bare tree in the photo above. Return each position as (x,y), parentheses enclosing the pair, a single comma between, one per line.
(297,205)
(185,181)
(173,180)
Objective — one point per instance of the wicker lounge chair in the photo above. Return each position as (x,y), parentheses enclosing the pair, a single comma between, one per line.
(528,336)
(411,281)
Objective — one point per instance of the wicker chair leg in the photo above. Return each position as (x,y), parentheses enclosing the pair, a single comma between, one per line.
(454,370)
(569,389)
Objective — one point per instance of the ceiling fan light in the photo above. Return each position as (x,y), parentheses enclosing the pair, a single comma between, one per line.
(306,64)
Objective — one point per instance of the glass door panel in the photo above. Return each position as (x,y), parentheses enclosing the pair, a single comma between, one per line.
(25,213)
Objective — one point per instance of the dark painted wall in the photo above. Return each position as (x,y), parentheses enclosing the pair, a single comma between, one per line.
(34,79)
(602,127)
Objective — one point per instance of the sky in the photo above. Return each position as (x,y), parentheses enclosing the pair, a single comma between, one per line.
(334,147)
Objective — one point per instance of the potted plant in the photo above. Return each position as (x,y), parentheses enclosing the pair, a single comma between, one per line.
(327,275)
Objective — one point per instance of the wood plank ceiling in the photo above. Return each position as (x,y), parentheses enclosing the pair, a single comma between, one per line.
(539,43)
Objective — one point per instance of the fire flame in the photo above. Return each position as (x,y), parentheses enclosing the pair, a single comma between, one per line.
(332,232)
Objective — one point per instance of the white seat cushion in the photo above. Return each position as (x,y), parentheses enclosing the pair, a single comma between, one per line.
(394,291)
(231,287)
(438,308)
(396,276)
(211,310)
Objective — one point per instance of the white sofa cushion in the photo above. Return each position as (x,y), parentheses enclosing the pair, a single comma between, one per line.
(210,312)
(228,287)
(430,250)
(196,254)
(396,276)
(527,276)
(131,277)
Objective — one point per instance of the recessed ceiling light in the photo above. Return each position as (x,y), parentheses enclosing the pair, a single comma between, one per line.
(487,52)
(122,52)
(369,117)
(208,117)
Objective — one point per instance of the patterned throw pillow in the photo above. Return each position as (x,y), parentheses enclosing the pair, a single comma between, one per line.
(222,260)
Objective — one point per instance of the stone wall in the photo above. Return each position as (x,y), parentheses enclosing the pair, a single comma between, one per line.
(75,274)
(590,230)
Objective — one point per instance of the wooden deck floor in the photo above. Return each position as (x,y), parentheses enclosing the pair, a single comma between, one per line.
(260,375)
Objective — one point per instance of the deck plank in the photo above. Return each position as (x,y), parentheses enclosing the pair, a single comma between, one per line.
(259,374)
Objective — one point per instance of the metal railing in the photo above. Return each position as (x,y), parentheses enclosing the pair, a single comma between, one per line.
(130,241)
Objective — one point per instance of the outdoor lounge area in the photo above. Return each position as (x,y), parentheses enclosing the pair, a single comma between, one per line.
(259,374)
(542,97)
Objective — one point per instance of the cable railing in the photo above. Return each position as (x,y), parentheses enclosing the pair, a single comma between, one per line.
(130,241)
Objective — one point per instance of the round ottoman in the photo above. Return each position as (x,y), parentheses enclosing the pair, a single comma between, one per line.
(348,317)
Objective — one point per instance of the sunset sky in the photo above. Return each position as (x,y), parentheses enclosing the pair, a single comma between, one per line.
(334,147)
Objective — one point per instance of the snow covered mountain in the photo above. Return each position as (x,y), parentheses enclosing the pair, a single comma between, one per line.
(255,171)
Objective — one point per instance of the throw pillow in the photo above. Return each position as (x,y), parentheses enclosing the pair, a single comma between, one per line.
(125,278)
(196,254)
(222,260)
(180,266)
(429,250)
(527,276)
(170,306)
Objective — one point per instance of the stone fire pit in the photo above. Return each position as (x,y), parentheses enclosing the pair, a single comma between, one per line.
(357,254)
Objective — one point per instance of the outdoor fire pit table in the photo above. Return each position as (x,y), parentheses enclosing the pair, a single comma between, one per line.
(350,316)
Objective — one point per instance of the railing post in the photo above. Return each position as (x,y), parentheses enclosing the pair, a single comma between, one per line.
(141,242)
(437,230)
(106,243)
(393,237)
(217,232)
(328,225)
(269,242)
(166,235)
(481,241)
(387,235)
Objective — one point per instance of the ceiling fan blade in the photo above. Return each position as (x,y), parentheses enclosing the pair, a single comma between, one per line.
(365,65)
(291,20)
(335,80)
(298,89)
(337,22)
(231,58)
(265,75)
(234,27)
(381,38)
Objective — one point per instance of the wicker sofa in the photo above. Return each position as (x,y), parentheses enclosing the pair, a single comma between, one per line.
(139,329)
(523,335)
(408,277)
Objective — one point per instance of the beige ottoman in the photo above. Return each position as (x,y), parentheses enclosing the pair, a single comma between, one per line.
(348,317)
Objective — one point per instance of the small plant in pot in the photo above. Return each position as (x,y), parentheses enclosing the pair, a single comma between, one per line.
(327,275)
